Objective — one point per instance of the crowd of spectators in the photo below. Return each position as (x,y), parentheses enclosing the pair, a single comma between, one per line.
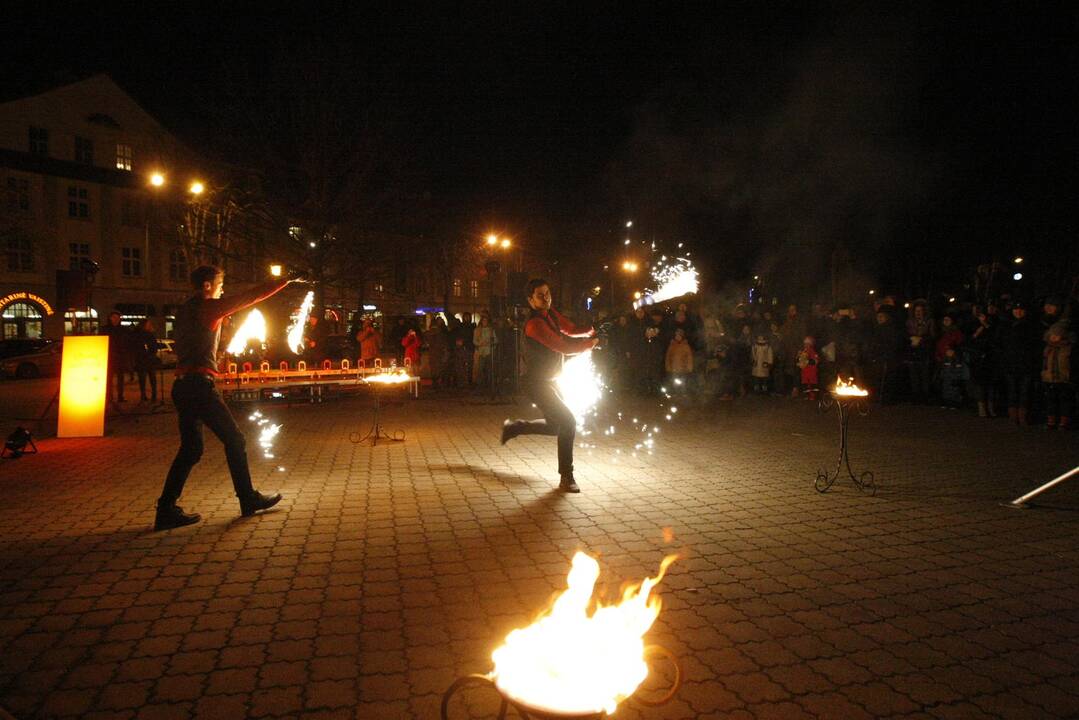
(1001,357)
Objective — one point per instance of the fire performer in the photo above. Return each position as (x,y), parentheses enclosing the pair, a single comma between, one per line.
(198,329)
(549,337)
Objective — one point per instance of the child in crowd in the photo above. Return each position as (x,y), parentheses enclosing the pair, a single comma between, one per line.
(679,362)
(1056,376)
(809,363)
(763,358)
(954,376)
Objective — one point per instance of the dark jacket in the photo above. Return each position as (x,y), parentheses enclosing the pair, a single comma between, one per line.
(1020,347)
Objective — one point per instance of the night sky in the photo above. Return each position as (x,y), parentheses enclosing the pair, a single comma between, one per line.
(758,133)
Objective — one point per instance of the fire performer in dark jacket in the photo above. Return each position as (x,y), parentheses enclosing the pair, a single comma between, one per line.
(198,330)
(549,336)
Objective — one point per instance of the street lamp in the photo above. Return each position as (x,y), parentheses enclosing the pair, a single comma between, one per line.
(492,239)
(505,243)
(275,270)
(196,188)
(1018,261)
(157,179)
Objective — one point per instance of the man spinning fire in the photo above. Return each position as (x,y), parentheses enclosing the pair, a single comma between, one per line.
(198,329)
(549,337)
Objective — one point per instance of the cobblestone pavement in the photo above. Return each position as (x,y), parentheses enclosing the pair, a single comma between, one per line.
(387,572)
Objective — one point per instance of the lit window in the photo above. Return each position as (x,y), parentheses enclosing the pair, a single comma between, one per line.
(77,252)
(474,288)
(39,141)
(123,157)
(457,287)
(131,262)
(84,150)
(20,253)
(78,202)
(178,265)
(17,195)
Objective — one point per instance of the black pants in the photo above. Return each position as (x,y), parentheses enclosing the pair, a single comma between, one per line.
(144,374)
(557,420)
(198,401)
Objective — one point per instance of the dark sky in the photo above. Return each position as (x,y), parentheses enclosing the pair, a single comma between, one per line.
(747,128)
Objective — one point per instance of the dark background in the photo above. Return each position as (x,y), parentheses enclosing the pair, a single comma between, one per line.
(921,142)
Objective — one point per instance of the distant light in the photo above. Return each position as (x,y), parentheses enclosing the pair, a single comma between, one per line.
(370,307)
(629,223)
(157,179)
(506,243)
(492,239)
(596,290)
(626,242)
(275,270)
(951,299)
(313,244)
(755,277)
(1017,276)
(1018,261)
(872,292)
(637,295)
(197,188)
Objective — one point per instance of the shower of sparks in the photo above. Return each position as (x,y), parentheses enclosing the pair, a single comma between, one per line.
(672,280)
(252,328)
(267,432)
(580,386)
(295,330)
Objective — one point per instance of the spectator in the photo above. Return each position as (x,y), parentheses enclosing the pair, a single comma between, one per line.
(370,342)
(794,329)
(146,359)
(1020,348)
(951,337)
(679,361)
(981,357)
(314,340)
(921,330)
(484,341)
(779,373)
(954,376)
(1056,375)
(808,363)
(411,344)
(763,357)
(120,354)
(886,343)
(437,352)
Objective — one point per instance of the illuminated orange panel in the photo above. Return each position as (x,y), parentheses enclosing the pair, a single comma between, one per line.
(83,386)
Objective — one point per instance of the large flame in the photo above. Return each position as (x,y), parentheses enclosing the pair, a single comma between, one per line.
(572,663)
(252,328)
(388,378)
(579,385)
(848,389)
(674,280)
(295,331)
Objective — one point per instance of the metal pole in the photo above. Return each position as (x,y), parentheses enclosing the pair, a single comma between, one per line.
(1020,502)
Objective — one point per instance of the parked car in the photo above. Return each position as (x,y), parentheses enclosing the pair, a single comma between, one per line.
(21,346)
(166,352)
(40,363)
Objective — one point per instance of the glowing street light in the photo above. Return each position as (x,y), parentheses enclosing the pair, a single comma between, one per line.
(275,270)
(872,292)
(1018,261)
(630,266)
(157,179)
(197,188)
(505,243)
(1018,276)
(492,239)
(629,223)
(637,295)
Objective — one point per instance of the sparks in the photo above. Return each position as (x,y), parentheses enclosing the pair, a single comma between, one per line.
(252,328)
(580,386)
(295,331)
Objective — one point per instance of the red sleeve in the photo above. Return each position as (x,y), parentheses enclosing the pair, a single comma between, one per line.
(213,312)
(541,332)
(568,328)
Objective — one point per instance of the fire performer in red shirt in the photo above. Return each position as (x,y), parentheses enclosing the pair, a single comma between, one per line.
(198,330)
(549,336)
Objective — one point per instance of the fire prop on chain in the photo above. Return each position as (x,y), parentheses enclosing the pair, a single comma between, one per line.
(580,386)
(848,389)
(571,663)
(252,328)
(673,280)
(295,331)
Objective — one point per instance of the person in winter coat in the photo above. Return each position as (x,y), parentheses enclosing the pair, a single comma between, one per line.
(1056,376)
(411,343)
(950,337)
(370,343)
(763,358)
(1020,346)
(437,343)
(921,331)
(954,376)
(483,340)
(146,360)
(886,342)
(979,353)
(809,363)
(120,353)
(679,360)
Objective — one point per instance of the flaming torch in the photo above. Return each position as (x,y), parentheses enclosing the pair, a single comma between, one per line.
(579,385)
(570,663)
(674,280)
(295,330)
(252,328)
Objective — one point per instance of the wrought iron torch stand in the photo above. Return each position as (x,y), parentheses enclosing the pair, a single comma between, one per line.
(846,404)
(375,432)
(526,711)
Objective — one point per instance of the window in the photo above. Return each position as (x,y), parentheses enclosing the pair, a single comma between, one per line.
(123,157)
(77,252)
(379,288)
(474,288)
(457,287)
(80,322)
(178,265)
(39,141)
(17,195)
(131,262)
(131,213)
(84,150)
(20,254)
(78,202)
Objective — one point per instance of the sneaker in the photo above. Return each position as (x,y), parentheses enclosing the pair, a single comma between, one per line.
(170,516)
(568,484)
(257,501)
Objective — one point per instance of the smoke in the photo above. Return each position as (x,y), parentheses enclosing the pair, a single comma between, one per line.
(807,177)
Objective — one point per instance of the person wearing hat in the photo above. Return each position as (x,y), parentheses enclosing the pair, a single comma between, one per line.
(921,332)
(1020,348)
(1056,377)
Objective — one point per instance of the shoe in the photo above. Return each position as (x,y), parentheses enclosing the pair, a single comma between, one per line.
(509,430)
(568,484)
(257,501)
(170,516)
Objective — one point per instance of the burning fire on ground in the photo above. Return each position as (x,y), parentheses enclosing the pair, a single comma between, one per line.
(575,663)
